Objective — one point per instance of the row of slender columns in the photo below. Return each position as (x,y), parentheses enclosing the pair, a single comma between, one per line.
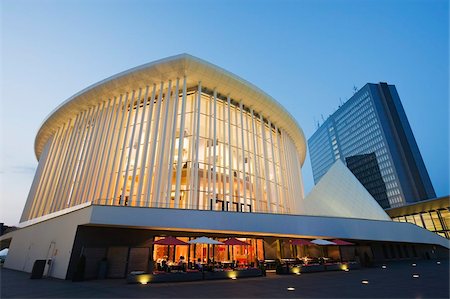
(125,151)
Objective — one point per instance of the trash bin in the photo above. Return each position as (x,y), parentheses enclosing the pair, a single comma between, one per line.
(38,269)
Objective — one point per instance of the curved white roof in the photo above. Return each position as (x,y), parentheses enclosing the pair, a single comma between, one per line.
(174,67)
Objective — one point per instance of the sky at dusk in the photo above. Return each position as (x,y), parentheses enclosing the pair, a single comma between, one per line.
(308,55)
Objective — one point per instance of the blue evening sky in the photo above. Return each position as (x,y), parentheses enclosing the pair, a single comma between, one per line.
(306,54)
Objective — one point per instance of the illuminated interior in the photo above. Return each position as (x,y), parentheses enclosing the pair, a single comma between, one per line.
(200,150)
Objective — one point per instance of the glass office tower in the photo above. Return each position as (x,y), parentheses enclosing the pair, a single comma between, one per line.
(373,121)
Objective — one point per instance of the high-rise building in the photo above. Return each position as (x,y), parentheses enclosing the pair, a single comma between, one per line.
(373,122)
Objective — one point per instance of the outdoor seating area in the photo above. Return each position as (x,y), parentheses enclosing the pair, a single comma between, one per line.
(319,248)
(190,259)
(206,259)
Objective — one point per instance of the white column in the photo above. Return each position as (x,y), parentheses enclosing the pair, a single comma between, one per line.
(283,173)
(266,164)
(81,155)
(108,136)
(82,174)
(209,201)
(80,133)
(100,138)
(122,153)
(161,153)
(196,164)
(258,193)
(214,194)
(229,201)
(97,165)
(173,138)
(289,162)
(251,172)
(149,199)
(115,119)
(65,165)
(238,162)
(224,154)
(142,175)
(52,200)
(130,148)
(244,179)
(180,145)
(138,149)
(48,172)
(274,168)
(86,175)
(36,200)
(116,153)
(36,181)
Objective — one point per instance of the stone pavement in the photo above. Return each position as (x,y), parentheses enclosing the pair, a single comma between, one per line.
(396,281)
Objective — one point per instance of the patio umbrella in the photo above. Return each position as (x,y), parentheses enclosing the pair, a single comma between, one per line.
(233,241)
(341,242)
(169,241)
(322,242)
(300,242)
(205,240)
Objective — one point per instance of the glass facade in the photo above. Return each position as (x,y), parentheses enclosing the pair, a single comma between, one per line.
(167,146)
(437,221)
(366,170)
(353,130)
(373,121)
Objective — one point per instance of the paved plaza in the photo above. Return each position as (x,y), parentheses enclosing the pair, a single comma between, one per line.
(396,281)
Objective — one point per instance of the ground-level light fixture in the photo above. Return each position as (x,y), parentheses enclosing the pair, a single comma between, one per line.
(291,289)
(383,267)
(364,281)
(438,262)
(415,275)
(413,264)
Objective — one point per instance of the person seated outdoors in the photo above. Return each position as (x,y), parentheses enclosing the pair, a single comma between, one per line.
(210,265)
(198,265)
(164,266)
(182,264)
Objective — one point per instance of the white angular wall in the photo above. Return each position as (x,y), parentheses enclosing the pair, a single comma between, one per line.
(340,194)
